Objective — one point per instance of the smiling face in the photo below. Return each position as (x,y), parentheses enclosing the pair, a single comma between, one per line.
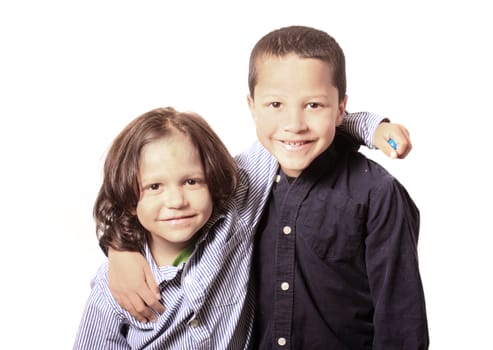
(175,201)
(296,109)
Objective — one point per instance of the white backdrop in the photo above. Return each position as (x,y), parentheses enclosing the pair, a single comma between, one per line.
(72,74)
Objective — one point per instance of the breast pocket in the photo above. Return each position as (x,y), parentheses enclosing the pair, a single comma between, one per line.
(332,225)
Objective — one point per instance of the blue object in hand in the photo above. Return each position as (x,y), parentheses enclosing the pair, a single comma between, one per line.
(392,143)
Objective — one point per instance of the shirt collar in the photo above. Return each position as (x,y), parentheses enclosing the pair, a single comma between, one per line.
(166,273)
(161,273)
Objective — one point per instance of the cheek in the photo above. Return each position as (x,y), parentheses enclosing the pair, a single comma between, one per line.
(325,130)
(201,200)
(207,205)
(145,208)
(265,124)
(140,212)
(326,124)
(257,117)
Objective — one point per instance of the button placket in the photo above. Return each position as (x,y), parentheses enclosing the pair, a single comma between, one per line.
(284,275)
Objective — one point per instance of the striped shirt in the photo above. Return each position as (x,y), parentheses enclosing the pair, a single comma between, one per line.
(361,126)
(208,302)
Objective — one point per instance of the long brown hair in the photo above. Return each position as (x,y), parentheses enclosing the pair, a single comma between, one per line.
(115,206)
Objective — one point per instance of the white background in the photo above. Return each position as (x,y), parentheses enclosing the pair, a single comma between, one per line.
(73,73)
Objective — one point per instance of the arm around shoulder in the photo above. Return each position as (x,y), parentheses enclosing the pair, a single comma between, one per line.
(132,284)
(361,126)
(375,131)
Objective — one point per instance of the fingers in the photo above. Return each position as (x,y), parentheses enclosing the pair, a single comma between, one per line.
(136,305)
(132,284)
(398,134)
(404,150)
(393,144)
(132,305)
(404,145)
(152,295)
(381,142)
(141,310)
(389,150)
(144,302)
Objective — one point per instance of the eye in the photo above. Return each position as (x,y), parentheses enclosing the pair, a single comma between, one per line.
(275,104)
(194,183)
(154,187)
(314,105)
(191,182)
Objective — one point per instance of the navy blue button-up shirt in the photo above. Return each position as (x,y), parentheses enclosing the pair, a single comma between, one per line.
(336,263)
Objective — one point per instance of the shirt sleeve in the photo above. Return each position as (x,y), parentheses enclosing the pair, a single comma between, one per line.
(361,126)
(101,325)
(393,270)
(257,168)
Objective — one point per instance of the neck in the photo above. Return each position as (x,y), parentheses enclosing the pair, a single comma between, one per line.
(165,253)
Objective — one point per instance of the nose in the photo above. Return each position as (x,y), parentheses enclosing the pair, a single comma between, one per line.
(294,120)
(175,198)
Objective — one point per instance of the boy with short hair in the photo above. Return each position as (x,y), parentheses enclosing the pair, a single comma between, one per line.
(335,255)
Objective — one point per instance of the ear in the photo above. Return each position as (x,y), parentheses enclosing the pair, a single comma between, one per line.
(251,104)
(340,111)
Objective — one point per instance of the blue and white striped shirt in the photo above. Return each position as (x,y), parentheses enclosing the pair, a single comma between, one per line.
(208,302)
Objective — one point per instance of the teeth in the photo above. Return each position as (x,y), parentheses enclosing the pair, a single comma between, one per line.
(299,143)
(293,145)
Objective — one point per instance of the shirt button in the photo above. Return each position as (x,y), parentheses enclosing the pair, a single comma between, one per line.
(286,230)
(284,285)
(278,178)
(188,279)
(281,341)
(194,323)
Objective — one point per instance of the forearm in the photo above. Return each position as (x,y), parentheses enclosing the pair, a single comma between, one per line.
(361,126)
(257,168)
(108,247)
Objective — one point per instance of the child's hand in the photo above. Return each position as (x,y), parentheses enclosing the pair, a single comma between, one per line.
(396,132)
(133,286)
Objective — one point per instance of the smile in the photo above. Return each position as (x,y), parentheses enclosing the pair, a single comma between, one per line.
(177,219)
(294,145)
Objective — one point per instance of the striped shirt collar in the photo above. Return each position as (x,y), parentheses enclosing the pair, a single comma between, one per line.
(168,272)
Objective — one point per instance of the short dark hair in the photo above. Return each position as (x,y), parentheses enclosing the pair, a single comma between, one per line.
(115,206)
(306,42)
